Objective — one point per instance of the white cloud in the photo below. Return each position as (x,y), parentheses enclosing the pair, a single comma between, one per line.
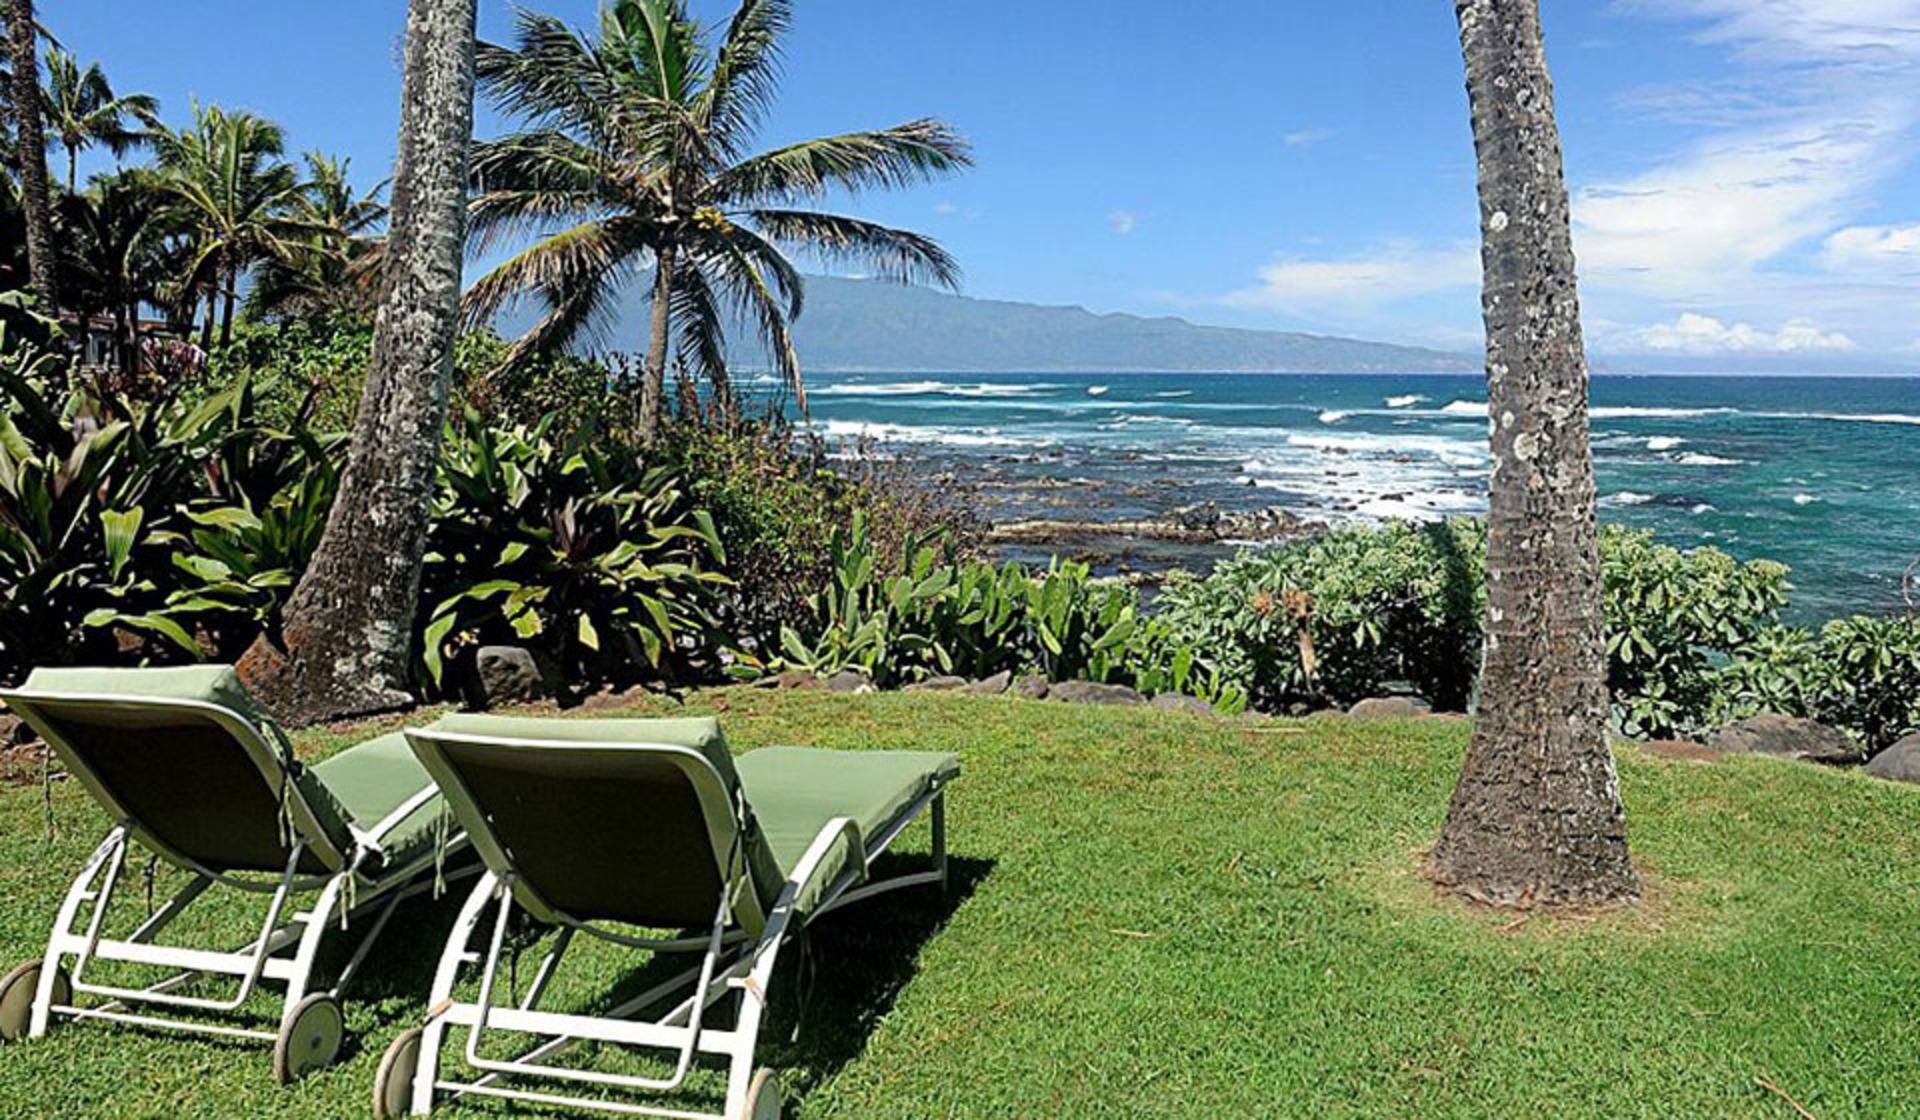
(1123,222)
(1391,272)
(1698,334)
(1306,137)
(1872,249)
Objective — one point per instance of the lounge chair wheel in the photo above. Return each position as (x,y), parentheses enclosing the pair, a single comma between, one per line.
(310,1038)
(765,1101)
(17,989)
(393,1085)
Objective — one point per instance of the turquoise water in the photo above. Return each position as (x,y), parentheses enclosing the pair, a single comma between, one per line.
(1822,474)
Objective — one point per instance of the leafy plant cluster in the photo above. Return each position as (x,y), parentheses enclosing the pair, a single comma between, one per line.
(1693,637)
(941,614)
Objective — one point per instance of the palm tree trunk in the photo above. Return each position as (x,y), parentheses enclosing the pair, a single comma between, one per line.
(653,385)
(30,153)
(1536,818)
(73,168)
(226,315)
(348,630)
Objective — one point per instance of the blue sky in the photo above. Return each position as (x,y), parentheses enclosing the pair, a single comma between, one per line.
(1743,170)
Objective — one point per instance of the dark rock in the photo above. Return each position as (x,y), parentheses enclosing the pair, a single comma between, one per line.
(1087,692)
(1786,737)
(1174,702)
(992,686)
(1390,707)
(1031,687)
(937,684)
(791,678)
(1685,750)
(1898,763)
(847,680)
(508,675)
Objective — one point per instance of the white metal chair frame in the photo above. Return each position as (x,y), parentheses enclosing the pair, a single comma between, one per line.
(253,962)
(734,958)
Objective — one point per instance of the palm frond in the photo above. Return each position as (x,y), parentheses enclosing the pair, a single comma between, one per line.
(899,255)
(889,158)
(551,77)
(575,273)
(746,75)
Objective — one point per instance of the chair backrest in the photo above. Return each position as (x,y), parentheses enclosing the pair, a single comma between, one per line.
(188,759)
(638,821)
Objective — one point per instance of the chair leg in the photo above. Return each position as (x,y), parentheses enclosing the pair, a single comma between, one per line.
(113,848)
(441,994)
(310,936)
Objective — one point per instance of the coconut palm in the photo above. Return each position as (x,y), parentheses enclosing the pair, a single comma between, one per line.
(118,248)
(639,138)
(343,648)
(82,111)
(239,199)
(334,268)
(30,154)
(1536,817)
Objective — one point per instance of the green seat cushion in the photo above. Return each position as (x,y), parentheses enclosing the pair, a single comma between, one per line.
(208,684)
(795,791)
(372,780)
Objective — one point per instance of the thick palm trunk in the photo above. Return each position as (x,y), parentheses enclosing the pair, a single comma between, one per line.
(31,151)
(1536,817)
(348,627)
(653,385)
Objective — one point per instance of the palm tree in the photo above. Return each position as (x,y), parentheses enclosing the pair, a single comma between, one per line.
(335,267)
(117,238)
(239,197)
(344,645)
(83,110)
(640,138)
(30,149)
(1536,818)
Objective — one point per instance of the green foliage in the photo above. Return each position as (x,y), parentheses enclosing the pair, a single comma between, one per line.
(1673,619)
(1331,620)
(588,554)
(1860,673)
(943,615)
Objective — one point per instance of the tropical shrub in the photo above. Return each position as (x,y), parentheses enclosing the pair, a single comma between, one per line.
(1674,619)
(1334,619)
(1861,674)
(587,554)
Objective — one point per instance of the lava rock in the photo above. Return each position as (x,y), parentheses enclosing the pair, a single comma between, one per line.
(791,678)
(937,684)
(508,675)
(1781,736)
(1390,707)
(993,685)
(1898,763)
(847,680)
(1032,686)
(1174,702)
(1088,692)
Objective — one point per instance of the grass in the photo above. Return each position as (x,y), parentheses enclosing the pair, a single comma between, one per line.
(1157,915)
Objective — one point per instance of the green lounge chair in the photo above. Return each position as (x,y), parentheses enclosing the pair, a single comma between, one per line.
(588,825)
(190,768)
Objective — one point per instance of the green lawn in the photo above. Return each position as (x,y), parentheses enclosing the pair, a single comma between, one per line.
(1158,915)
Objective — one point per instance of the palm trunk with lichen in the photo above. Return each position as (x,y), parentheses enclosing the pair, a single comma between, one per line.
(346,642)
(30,152)
(1536,818)
(653,381)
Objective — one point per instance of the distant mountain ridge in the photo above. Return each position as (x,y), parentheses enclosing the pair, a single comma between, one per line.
(875,327)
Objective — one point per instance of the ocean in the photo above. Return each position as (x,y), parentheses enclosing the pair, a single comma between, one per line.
(1822,474)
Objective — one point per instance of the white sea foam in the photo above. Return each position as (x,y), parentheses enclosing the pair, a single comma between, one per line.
(1333,416)
(1696,459)
(1639,412)
(1171,394)
(1664,443)
(1846,417)
(1804,499)
(1452,451)
(1465,408)
(1626,498)
(1703,507)
(926,388)
(1096,390)
(1407,401)
(917,433)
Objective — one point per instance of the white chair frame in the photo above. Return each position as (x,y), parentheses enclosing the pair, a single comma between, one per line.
(732,962)
(260,959)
